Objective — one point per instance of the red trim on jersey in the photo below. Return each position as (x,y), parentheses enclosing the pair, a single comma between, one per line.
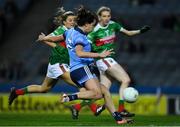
(63,44)
(100,42)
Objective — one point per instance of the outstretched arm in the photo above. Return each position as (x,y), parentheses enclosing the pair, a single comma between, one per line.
(51,44)
(81,53)
(135,32)
(50,38)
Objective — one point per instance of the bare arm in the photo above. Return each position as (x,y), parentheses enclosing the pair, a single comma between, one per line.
(51,44)
(81,53)
(54,38)
(130,32)
(135,32)
(50,38)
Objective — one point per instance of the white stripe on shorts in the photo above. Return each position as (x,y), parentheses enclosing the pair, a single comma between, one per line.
(88,72)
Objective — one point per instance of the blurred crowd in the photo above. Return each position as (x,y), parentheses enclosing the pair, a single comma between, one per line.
(12,70)
(11,11)
(169,21)
(142,2)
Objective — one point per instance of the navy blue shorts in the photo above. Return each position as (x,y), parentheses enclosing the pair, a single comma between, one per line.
(81,75)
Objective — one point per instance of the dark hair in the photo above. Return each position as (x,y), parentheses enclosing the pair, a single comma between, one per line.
(85,16)
(103,8)
(61,15)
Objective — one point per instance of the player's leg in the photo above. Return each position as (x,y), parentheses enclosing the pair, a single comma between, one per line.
(111,108)
(93,92)
(91,103)
(117,72)
(66,75)
(108,100)
(108,65)
(84,77)
(47,84)
(53,73)
(77,107)
(106,81)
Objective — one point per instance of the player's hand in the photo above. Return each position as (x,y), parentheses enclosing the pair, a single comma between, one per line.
(145,29)
(41,37)
(106,53)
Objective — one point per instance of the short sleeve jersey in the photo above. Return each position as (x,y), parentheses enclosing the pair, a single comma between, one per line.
(59,54)
(74,37)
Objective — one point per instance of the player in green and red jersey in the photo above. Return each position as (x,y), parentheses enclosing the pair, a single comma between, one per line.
(58,61)
(103,37)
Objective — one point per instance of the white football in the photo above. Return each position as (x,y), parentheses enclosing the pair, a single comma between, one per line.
(130,94)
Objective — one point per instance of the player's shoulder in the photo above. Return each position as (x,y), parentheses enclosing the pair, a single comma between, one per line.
(73,33)
(112,22)
(98,26)
(61,28)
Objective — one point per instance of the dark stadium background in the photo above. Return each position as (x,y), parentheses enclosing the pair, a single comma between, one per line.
(151,59)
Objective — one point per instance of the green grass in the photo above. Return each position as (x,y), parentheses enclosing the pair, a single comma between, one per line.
(49,119)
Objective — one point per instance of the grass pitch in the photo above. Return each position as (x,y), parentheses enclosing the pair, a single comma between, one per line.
(49,119)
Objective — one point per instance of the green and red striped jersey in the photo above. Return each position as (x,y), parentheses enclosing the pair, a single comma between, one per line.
(59,54)
(104,37)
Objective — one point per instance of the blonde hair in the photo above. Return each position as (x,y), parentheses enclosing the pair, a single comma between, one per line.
(103,8)
(61,15)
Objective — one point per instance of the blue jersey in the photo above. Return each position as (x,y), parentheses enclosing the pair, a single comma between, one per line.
(76,36)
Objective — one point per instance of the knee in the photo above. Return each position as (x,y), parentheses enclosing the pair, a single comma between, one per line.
(126,81)
(82,89)
(45,89)
(105,91)
(106,85)
(98,94)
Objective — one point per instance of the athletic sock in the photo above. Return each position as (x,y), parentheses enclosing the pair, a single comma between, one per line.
(82,104)
(121,106)
(77,106)
(22,91)
(91,104)
(73,97)
(93,107)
